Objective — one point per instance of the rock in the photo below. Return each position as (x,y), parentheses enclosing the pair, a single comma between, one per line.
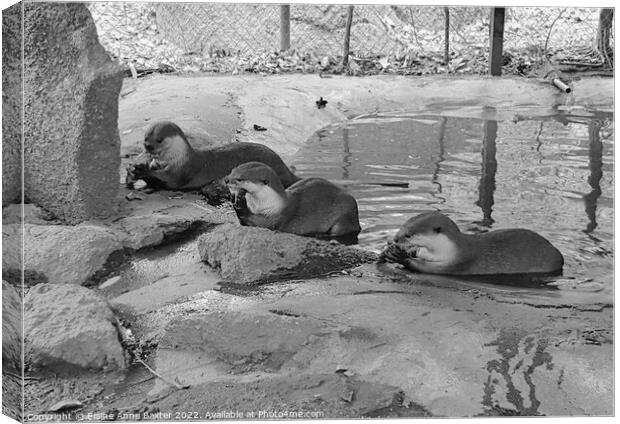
(31,214)
(71,90)
(59,254)
(64,405)
(247,255)
(12,103)
(11,327)
(151,230)
(67,326)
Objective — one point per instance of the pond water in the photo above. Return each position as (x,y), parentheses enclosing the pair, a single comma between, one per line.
(552,174)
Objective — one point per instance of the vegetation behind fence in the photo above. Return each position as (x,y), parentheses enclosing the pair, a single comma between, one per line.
(235,38)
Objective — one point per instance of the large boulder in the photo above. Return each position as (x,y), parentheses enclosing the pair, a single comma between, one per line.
(58,254)
(12,102)
(246,255)
(70,92)
(67,326)
(11,327)
(28,213)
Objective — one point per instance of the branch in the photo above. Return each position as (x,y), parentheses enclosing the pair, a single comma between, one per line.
(549,33)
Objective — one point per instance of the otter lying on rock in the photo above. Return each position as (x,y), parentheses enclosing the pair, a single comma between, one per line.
(432,243)
(175,165)
(312,206)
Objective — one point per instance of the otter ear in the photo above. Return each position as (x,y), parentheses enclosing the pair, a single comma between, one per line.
(437,230)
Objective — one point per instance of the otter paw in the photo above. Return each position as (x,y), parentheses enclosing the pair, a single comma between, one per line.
(157,165)
(239,202)
(133,175)
(137,171)
(241,207)
(393,253)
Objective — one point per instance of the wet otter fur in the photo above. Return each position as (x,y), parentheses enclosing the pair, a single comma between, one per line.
(311,207)
(432,243)
(175,165)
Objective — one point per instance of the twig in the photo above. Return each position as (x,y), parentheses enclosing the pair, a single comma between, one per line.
(202,207)
(126,93)
(549,33)
(415,31)
(141,381)
(174,383)
(19,376)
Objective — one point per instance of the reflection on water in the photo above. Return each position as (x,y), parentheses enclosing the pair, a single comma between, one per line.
(440,157)
(596,174)
(553,175)
(489,168)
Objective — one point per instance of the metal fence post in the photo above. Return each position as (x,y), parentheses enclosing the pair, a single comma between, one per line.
(496,40)
(285,27)
(347,36)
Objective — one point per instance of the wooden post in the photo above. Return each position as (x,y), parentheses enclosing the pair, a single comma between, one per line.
(285,27)
(604,33)
(496,40)
(446,53)
(347,37)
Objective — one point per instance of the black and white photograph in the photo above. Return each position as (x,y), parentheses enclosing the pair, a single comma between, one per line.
(228,211)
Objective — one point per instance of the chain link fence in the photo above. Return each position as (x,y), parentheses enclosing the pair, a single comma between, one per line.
(246,37)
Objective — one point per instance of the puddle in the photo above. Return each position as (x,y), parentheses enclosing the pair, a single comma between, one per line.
(552,174)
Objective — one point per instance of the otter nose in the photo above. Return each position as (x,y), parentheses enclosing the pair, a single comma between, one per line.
(148,147)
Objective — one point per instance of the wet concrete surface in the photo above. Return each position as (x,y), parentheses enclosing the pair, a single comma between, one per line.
(450,351)
(374,341)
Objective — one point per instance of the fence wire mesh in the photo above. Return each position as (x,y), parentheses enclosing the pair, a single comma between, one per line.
(246,37)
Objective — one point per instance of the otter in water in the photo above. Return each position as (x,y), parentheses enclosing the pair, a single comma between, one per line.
(312,206)
(432,243)
(174,164)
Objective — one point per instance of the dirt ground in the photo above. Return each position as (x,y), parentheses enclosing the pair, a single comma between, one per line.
(375,341)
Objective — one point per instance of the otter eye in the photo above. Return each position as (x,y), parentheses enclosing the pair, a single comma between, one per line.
(266,182)
(159,140)
(437,230)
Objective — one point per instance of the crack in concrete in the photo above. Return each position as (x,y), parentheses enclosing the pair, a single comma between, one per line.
(581,308)
(381,292)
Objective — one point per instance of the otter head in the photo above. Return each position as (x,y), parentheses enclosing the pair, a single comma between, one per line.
(430,239)
(166,141)
(261,186)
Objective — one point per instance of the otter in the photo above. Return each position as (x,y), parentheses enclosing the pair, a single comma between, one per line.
(432,243)
(174,164)
(310,207)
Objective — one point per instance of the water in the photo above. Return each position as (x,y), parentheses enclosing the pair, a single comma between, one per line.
(553,175)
